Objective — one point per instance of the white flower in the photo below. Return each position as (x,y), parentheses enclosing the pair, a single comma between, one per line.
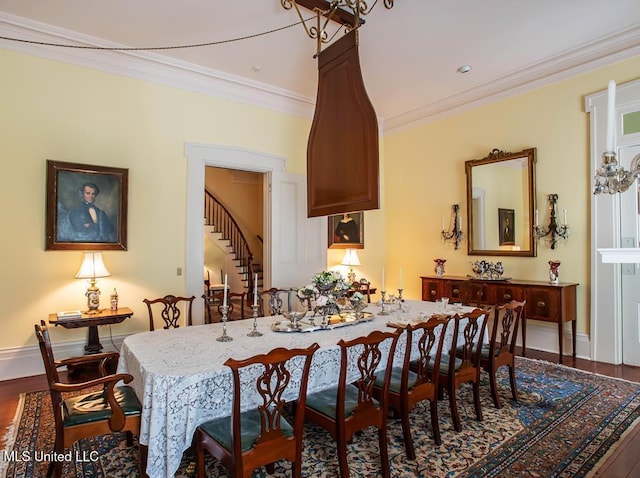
(322,301)
(357,297)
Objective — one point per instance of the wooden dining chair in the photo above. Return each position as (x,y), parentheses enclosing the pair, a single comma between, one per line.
(501,349)
(236,301)
(461,363)
(351,406)
(170,311)
(275,301)
(112,409)
(364,287)
(261,435)
(417,380)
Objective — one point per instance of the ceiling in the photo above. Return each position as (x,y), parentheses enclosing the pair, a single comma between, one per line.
(409,54)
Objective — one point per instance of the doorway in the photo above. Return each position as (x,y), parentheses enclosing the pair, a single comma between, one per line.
(234,226)
(294,245)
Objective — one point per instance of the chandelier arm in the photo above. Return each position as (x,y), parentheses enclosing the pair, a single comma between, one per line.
(635,166)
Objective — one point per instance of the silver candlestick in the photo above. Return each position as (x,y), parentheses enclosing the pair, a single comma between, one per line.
(400,299)
(382,309)
(224,337)
(254,332)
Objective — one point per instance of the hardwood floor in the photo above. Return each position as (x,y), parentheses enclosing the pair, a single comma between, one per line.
(623,463)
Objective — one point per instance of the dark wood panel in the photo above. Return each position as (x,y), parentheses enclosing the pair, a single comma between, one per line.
(342,152)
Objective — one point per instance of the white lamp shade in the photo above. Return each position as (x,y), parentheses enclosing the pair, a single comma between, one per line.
(92,266)
(351,258)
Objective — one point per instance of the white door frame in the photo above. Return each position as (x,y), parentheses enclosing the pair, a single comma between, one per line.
(606,279)
(198,157)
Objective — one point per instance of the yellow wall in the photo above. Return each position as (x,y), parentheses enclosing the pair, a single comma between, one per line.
(428,176)
(55,111)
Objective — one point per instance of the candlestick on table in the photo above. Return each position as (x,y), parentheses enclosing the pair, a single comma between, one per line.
(255,289)
(254,332)
(224,293)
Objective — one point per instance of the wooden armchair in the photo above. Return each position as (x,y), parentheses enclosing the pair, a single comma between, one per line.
(462,362)
(170,312)
(351,407)
(501,349)
(416,381)
(112,409)
(236,301)
(259,436)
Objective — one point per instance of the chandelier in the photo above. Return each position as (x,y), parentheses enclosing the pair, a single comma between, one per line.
(610,176)
(346,12)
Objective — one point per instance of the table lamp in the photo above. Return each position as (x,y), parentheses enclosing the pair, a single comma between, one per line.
(91,268)
(351,259)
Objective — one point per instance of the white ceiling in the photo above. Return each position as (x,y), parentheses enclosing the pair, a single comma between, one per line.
(409,54)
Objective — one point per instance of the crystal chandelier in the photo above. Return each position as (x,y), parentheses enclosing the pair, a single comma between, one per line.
(610,176)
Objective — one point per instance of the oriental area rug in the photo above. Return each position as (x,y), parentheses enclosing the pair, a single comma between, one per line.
(565,422)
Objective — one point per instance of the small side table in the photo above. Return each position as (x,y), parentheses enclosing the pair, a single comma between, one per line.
(103,317)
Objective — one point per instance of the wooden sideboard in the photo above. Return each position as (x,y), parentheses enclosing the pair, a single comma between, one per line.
(546,302)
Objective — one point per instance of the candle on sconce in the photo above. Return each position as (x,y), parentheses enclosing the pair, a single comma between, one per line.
(611,114)
(224,295)
(400,282)
(537,222)
(383,279)
(443,223)
(564,213)
(255,289)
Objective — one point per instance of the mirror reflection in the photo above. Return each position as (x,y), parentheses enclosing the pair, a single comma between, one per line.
(500,203)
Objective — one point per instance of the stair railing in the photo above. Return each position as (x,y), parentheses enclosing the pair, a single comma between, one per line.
(219,217)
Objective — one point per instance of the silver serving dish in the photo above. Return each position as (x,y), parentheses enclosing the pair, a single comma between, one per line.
(333,322)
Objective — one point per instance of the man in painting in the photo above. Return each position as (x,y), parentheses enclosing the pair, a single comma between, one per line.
(347,230)
(88,222)
(507,236)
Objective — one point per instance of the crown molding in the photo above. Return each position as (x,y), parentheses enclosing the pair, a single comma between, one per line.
(166,71)
(148,66)
(595,54)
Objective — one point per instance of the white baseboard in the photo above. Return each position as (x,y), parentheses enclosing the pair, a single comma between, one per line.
(546,339)
(26,361)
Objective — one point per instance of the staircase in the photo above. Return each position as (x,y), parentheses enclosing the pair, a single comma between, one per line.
(219,220)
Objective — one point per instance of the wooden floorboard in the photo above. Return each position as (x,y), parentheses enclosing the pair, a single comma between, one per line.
(624,462)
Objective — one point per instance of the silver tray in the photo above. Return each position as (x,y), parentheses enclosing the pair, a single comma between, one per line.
(498,279)
(333,322)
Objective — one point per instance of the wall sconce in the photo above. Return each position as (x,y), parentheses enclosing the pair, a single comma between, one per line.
(555,231)
(454,233)
(351,259)
(92,267)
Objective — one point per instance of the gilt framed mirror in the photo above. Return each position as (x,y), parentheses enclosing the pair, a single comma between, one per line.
(501,191)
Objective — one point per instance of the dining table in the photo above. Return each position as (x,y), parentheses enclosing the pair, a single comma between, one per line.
(181,381)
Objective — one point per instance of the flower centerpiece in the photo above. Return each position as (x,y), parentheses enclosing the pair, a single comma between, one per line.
(322,295)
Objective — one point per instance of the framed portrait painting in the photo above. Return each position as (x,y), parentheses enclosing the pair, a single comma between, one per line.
(86,207)
(346,231)
(506,223)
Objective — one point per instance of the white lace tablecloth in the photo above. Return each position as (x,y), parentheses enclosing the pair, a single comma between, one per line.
(181,381)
